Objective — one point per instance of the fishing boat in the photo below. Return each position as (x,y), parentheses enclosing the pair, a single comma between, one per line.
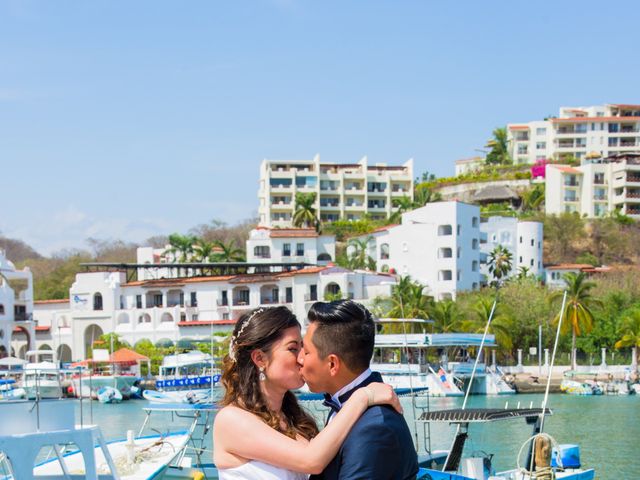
(41,375)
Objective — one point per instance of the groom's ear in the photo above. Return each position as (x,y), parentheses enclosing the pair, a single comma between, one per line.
(334,364)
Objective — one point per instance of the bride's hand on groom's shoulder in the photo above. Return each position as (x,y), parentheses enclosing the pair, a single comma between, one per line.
(382,394)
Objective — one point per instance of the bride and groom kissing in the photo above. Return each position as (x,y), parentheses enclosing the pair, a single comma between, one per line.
(263,433)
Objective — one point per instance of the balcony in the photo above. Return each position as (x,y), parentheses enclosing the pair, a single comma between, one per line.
(629,129)
(240,302)
(571,183)
(624,142)
(354,205)
(224,302)
(269,300)
(633,178)
(22,317)
(571,199)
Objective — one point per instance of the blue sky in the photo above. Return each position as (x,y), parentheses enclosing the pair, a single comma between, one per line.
(128,119)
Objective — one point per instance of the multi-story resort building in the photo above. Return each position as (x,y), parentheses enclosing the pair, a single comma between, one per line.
(596,188)
(578,132)
(445,246)
(438,245)
(16,305)
(168,302)
(290,245)
(522,239)
(343,191)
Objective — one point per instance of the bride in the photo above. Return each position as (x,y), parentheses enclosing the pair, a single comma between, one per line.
(261,432)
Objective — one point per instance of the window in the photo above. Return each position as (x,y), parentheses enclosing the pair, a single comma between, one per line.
(193,300)
(121,302)
(520,239)
(262,251)
(613,141)
(445,252)
(541,131)
(533,243)
(1,309)
(458,275)
(445,275)
(522,149)
(288,294)
(157,300)
(384,251)
(458,229)
(138,301)
(541,145)
(181,299)
(520,260)
(313,292)
(444,230)
(458,252)
(474,244)
(300,249)
(474,266)
(286,250)
(225,298)
(474,222)
(97,301)
(225,316)
(613,128)
(531,262)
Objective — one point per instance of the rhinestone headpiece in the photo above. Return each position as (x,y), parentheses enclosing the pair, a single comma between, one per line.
(234,338)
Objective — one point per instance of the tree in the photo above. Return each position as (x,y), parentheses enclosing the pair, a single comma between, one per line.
(408,300)
(359,257)
(577,317)
(524,272)
(561,233)
(402,204)
(500,263)
(499,323)
(180,247)
(629,333)
(499,154)
(204,251)
(424,195)
(532,199)
(446,316)
(228,252)
(305,213)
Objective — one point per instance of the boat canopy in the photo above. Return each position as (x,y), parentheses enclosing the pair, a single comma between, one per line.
(479,415)
(434,340)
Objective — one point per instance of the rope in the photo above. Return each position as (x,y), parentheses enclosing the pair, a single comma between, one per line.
(541,473)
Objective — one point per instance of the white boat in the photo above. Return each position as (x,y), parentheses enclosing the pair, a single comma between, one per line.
(179,396)
(10,391)
(401,359)
(41,378)
(109,395)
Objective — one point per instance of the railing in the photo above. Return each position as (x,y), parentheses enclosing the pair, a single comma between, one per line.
(269,300)
(633,195)
(598,181)
(239,301)
(310,298)
(570,199)
(571,184)
(175,304)
(223,302)
(23,317)
(633,178)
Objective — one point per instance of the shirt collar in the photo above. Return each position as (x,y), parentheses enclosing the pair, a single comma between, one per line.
(350,386)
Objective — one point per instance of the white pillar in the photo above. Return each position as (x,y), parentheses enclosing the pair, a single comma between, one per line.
(519,357)
(634,357)
(604,357)
(546,357)
(493,358)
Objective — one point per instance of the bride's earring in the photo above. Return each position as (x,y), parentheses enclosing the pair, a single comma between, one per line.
(262,377)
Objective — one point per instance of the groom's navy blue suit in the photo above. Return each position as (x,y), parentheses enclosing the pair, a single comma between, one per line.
(378,447)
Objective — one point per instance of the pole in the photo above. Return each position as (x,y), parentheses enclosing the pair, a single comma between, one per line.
(540,349)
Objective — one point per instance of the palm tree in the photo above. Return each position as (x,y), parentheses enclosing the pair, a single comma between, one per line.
(629,332)
(577,311)
(180,247)
(532,199)
(446,316)
(424,195)
(359,257)
(402,204)
(305,213)
(409,301)
(500,263)
(524,272)
(499,323)
(204,251)
(499,154)
(228,252)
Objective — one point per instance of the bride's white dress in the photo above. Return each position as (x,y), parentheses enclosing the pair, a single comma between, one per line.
(255,470)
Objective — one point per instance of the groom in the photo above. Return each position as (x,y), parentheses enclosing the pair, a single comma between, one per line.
(337,349)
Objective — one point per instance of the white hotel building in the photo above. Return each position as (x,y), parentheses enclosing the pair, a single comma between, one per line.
(579,132)
(595,189)
(164,302)
(343,191)
(445,245)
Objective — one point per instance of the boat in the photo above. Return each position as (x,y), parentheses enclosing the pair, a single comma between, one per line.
(41,375)
(149,454)
(109,395)
(574,387)
(186,378)
(10,391)
(402,360)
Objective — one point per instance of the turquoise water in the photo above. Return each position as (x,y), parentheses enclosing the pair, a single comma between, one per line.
(607,428)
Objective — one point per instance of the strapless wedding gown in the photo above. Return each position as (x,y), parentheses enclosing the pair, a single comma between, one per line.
(255,470)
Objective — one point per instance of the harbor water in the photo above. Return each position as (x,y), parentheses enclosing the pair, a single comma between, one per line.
(607,428)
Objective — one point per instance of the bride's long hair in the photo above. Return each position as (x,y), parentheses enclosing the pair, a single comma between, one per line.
(260,329)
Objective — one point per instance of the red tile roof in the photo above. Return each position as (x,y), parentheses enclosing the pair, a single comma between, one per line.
(38,328)
(518,127)
(56,300)
(303,271)
(622,105)
(126,356)
(176,282)
(196,323)
(595,119)
(566,169)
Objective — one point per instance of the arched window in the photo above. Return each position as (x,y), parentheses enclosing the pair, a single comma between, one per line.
(166,318)
(97,301)
(445,252)
(445,230)
(384,251)
(144,318)
(324,257)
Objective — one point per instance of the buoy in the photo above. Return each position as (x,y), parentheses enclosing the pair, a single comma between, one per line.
(198,476)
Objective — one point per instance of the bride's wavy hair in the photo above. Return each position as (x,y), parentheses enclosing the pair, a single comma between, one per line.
(260,329)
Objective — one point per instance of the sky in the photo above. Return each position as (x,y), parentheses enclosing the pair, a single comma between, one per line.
(124,120)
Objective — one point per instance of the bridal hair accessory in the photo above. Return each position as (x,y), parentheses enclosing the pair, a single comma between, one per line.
(234,338)
(262,377)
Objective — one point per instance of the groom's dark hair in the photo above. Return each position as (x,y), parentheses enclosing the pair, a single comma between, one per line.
(346,329)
